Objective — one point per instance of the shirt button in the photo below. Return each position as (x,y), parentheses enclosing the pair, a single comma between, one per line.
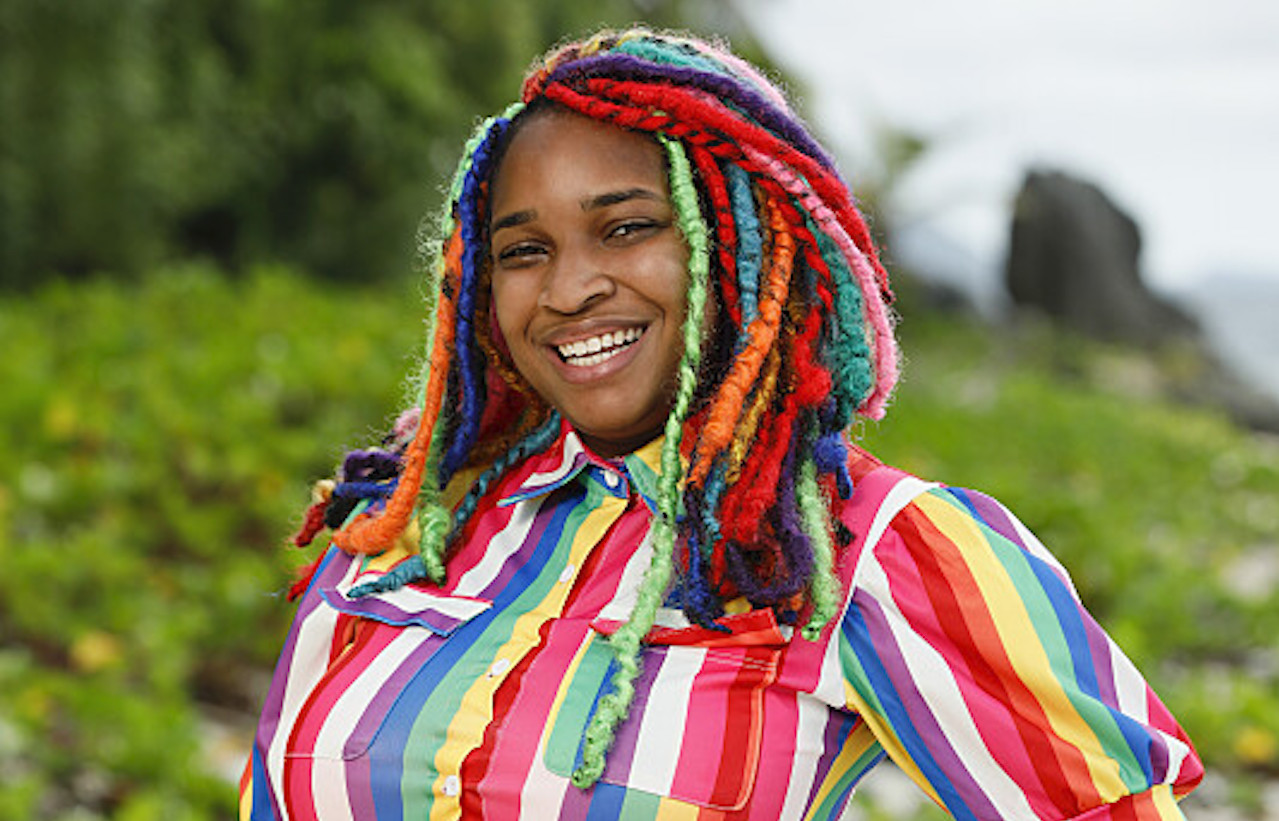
(566,575)
(499,667)
(610,479)
(452,786)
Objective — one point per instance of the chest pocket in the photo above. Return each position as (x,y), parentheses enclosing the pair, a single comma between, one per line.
(380,641)
(696,724)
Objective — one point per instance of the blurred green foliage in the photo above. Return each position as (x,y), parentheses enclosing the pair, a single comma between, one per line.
(158,442)
(159,438)
(310,133)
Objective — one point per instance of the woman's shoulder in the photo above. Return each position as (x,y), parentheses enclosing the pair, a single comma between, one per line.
(928,521)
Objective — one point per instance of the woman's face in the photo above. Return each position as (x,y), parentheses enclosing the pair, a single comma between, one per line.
(589,273)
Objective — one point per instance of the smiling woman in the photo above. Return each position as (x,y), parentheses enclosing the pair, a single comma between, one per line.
(621,559)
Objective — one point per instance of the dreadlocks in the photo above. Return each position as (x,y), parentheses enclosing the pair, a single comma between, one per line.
(756,455)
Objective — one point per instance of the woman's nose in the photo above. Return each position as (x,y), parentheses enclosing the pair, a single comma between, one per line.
(575,281)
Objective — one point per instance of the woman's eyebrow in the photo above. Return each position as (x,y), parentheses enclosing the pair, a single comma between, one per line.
(615,197)
(513,219)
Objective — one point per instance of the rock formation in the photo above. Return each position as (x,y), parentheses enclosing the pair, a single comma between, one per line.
(1074,256)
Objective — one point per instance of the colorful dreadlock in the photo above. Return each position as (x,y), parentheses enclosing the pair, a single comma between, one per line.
(776,242)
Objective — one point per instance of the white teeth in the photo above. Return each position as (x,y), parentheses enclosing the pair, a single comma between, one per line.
(587,352)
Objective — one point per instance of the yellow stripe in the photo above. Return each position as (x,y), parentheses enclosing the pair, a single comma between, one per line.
(855,746)
(476,708)
(670,809)
(1016,630)
(1166,803)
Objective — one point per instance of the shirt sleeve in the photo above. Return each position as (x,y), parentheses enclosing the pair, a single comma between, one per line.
(966,649)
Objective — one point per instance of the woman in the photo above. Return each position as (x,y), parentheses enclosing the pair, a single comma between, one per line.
(621,561)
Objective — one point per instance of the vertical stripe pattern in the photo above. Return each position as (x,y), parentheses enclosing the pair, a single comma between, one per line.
(963,653)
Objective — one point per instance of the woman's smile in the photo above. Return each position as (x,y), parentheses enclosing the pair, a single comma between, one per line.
(597,349)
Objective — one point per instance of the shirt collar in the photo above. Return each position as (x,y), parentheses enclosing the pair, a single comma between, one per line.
(568,458)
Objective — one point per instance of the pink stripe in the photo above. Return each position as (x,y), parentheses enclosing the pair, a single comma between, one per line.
(778,757)
(522,726)
(487,522)
(989,712)
(703,746)
(922,716)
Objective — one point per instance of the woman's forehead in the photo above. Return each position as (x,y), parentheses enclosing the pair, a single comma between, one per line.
(570,154)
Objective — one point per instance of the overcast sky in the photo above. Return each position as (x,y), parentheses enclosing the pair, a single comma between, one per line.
(1171,106)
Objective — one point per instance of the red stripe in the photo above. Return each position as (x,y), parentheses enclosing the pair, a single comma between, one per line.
(476,764)
(742,736)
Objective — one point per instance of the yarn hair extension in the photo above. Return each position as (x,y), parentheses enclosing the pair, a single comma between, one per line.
(754,453)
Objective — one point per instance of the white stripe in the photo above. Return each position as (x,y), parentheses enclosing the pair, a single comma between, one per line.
(1178,752)
(1037,549)
(339,725)
(900,495)
(810,735)
(572,447)
(661,733)
(1130,687)
(504,544)
(309,662)
(414,601)
(932,677)
(328,783)
(543,792)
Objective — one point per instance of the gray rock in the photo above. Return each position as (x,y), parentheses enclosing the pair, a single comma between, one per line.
(1074,256)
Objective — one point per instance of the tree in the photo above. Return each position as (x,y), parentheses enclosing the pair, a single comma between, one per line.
(314,133)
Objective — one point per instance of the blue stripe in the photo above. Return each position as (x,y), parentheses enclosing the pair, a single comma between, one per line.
(263,808)
(857,632)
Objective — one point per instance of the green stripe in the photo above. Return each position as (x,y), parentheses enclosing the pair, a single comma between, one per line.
(576,707)
(829,806)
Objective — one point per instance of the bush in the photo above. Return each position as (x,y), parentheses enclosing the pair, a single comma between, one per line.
(160,440)
(316,134)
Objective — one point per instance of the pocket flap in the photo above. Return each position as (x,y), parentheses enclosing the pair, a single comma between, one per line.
(409,605)
(754,628)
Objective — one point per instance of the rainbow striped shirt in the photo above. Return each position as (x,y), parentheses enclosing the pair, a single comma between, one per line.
(963,653)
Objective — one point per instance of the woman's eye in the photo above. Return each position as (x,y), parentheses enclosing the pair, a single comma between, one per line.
(633,228)
(523,253)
